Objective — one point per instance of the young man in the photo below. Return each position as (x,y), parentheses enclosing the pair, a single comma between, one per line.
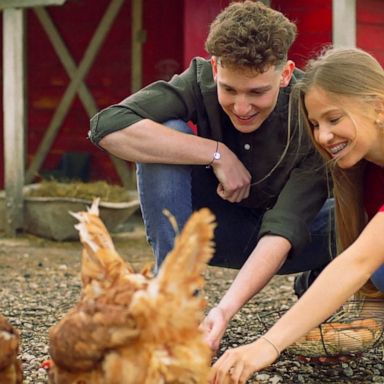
(255,170)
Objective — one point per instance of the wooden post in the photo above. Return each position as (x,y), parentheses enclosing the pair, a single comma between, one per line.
(14,107)
(138,37)
(344,23)
(28,3)
(14,116)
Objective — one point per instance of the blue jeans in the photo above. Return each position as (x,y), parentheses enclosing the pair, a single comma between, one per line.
(183,189)
(378,279)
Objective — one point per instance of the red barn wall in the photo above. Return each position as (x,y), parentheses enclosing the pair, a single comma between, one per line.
(370,27)
(163,49)
(314,22)
(109,79)
(175,32)
(313,18)
(198,16)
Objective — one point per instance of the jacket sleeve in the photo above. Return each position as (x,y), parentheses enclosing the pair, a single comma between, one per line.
(160,101)
(298,203)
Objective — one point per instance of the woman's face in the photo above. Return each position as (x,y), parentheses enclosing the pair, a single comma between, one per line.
(345,139)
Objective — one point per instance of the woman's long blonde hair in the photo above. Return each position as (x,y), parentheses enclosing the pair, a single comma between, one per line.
(355,80)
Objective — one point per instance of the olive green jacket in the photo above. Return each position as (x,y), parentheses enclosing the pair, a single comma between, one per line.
(291,190)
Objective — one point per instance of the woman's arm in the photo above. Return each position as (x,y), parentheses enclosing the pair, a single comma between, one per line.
(337,283)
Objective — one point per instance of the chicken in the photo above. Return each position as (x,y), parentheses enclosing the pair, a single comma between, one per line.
(10,366)
(133,328)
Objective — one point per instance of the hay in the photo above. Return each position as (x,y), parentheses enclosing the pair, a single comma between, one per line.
(80,190)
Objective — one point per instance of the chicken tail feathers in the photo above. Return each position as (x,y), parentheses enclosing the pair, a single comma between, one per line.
(100,260)
(193,249)
(92,231)
(10,365)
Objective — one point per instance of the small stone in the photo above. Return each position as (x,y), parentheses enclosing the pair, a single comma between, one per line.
(275,379)
(348,371)
(27,357)
(262,377)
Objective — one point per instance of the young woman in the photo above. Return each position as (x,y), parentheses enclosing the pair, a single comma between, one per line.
(341,102)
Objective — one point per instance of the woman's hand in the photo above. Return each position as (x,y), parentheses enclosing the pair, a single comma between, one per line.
(236,365)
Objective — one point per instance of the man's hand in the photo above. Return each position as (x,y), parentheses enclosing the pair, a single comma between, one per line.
(234,178)
(214,326)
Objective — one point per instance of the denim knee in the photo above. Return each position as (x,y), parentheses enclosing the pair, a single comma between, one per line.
(378,279)
(324,221)
(160,181)
(179,125)
(164,186)
(322,248)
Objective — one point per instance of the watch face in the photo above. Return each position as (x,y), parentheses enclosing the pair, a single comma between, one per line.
(216,156)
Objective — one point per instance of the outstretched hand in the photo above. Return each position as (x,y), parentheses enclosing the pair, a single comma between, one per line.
(236,365)
(213,327)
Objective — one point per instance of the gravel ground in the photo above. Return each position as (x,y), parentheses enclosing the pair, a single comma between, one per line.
(40,282)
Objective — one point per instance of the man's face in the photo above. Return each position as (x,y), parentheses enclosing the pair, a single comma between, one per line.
(249,97)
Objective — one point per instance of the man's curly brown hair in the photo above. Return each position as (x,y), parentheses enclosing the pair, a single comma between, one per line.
(250,35)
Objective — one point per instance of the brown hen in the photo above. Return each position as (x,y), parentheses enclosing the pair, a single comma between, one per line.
(10,366)
(132,328)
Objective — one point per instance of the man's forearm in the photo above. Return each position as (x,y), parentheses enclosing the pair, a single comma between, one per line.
(265,260)
(149,142)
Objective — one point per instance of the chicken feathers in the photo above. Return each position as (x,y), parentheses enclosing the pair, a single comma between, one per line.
(10,366)
(133,328)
